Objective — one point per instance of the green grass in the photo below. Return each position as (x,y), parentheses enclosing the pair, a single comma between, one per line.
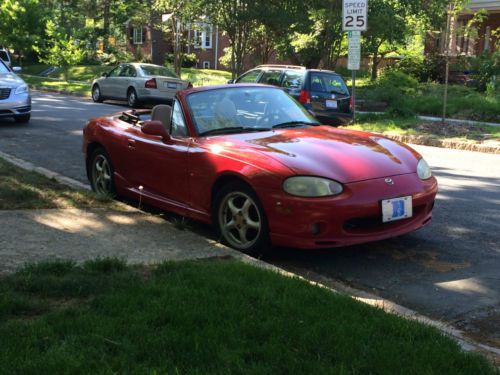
(20,189)
(205,77)
(387,124)
(42,82)
(209,317)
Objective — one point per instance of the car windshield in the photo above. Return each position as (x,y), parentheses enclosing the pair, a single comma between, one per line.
(245,109)
(4,56)
(152,70)
(3,68)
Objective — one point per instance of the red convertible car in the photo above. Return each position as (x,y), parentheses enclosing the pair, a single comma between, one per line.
(256,164)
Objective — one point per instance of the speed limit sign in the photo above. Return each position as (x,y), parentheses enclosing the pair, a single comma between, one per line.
(354,15)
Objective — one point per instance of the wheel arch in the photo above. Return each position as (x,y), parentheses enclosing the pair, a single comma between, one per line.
(226,179)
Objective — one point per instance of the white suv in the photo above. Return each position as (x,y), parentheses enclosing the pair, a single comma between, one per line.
(4,55)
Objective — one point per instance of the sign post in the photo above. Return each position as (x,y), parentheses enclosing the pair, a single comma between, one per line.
(354,20)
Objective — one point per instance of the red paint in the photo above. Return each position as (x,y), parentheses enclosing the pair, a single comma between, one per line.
(179,175)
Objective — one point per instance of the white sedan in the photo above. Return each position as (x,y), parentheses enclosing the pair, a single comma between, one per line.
(138,83)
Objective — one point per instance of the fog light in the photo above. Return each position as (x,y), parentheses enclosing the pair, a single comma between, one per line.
(315,228)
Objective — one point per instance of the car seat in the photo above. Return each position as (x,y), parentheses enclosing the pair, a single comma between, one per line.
(162,113)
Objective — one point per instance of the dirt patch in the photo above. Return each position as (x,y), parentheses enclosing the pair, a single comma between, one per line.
(455,130)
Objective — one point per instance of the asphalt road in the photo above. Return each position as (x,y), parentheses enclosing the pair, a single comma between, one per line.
(449,270)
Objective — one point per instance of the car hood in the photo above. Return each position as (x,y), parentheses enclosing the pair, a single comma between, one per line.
(10,80)
(343,155)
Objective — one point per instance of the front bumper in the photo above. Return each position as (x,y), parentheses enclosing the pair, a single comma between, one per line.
(353,217)
(15,105)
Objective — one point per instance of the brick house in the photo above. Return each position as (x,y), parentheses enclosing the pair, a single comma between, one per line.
(206,41)
(487,38)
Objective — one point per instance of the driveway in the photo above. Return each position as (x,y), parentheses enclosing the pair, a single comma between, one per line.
(448,270)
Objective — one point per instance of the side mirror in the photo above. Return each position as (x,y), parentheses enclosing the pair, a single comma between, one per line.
(104,74)
(17,69)
(155,128)
(230,81)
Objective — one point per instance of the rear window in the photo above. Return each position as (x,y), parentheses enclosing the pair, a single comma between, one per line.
(293,79)
(151,70)
(4,56)
(330,83)
(271,77)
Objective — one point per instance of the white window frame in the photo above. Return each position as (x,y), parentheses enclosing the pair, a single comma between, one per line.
(206,64)
(137,36)
(204,33)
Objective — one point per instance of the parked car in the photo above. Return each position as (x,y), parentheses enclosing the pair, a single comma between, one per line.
(15,98)
(5,56)
(322,92)
(256,164)
(138,83)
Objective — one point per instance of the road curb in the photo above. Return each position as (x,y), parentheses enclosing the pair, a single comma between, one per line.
(426,140)
(26,165)
(336,286)
(62,92)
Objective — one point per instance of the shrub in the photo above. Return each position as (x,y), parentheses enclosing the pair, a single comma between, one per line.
(189,60)
(430,68)
(485,69)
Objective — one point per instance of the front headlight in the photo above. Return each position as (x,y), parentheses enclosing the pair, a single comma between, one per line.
(423,170)
(305,186)
(21,89)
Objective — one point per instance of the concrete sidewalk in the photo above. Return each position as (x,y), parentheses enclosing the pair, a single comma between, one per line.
(138,237)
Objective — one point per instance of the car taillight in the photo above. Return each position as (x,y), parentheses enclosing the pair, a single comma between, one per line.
(151,83)
(350,103)
(304,97)
(190,85)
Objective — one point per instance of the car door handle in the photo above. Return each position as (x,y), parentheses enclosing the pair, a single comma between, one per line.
(130,143)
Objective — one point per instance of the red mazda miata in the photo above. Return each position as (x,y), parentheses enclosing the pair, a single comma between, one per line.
(256,164)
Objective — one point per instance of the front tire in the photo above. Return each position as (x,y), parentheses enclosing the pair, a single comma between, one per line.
(132,99)
(96,94)
(22,119)
(101,173)
(240,219)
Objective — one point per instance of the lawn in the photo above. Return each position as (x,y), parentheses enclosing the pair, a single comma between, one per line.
(205,317)
(50,83)
(20,189)
(387,124)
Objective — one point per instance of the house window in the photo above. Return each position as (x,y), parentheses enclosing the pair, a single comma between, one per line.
(203,36)
(137,35)
(206,64)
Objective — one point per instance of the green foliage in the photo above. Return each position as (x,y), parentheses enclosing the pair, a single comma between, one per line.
(485,70)
(424,69)
(189,60)
(22,24)
(61,51)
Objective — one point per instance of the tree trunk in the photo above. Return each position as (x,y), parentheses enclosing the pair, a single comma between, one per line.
(375,63)
(106,18)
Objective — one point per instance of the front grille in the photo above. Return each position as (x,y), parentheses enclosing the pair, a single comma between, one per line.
(4,93)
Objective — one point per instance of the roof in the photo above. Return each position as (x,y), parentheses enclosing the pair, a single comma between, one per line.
(280,66)
(483,4)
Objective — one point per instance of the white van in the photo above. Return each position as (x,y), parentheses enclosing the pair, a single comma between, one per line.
(4,55)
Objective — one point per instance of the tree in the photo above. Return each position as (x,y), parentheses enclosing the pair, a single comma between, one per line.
(62,51)
(21,25)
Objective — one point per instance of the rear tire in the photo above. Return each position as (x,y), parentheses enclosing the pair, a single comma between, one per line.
(96,94)
(101,173)
(240,219)
(132,99)
(22,119)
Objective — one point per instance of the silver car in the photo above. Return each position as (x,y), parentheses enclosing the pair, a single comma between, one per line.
(138,83)
(15,98)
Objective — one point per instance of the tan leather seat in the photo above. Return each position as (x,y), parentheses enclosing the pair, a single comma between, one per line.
(162,113)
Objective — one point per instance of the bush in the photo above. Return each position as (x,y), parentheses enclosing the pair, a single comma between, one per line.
(485,70)
(430,68)
(189,60)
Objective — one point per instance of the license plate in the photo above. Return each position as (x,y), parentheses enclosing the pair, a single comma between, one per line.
(170,85)
(396,209)
(331,104)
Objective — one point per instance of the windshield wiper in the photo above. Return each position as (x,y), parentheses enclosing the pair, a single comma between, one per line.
(233,129)
(293,124)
